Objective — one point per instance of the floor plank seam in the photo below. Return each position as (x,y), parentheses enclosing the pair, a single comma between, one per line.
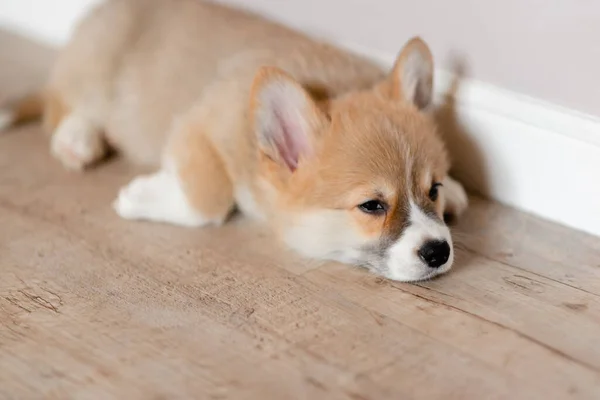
(502,326)
(507,264)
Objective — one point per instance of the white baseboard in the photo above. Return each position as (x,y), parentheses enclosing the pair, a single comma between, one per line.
(522,152)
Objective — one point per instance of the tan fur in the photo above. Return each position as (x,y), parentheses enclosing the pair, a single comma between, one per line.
(43,104)
(188,82)
(202,172)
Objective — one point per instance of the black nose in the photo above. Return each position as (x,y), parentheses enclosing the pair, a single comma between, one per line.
(435,253)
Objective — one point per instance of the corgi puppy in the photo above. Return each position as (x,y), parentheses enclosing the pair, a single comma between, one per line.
(338,156)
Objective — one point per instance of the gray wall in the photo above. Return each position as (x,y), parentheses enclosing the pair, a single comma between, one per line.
(548,49)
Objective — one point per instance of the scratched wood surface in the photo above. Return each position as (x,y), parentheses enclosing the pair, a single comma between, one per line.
(93,307)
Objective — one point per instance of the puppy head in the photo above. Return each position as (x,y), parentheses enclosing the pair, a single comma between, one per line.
(358,180)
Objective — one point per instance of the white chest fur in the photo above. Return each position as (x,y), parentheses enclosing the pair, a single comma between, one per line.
(247,202)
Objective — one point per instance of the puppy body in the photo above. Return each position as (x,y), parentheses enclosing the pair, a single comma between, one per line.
(337,155)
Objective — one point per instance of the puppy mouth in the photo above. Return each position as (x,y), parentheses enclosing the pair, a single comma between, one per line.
(429,275)
(376,260)
(425,276)
(410,271)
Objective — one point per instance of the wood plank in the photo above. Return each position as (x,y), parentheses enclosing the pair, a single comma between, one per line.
(79,323)
(531,244)
(256,299)
(499,346)
(95,307)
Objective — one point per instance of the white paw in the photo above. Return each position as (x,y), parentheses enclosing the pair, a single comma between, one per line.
(135,198)
(157,197)
(76,143)
(457,200)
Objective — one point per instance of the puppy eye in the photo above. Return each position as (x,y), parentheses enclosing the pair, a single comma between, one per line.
(433,192)
(373,207)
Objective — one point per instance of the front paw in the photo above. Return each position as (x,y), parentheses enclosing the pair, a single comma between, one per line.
(456,199)
(77,144)
(136,198)
(157,197)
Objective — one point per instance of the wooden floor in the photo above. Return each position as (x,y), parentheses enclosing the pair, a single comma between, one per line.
(94,307)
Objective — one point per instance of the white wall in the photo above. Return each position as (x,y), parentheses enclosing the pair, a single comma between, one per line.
(548,49)
(49,21)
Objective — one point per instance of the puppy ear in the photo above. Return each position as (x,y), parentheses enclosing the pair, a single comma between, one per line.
(285,118)
(412,75)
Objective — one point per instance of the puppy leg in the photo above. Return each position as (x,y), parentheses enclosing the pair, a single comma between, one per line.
(159,197)
(456,200)
(77,143)
(192,188)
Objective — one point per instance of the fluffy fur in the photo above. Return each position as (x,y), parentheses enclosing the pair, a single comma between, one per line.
(234,110)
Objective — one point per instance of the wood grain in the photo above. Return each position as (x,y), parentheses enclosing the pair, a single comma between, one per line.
(95,307)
